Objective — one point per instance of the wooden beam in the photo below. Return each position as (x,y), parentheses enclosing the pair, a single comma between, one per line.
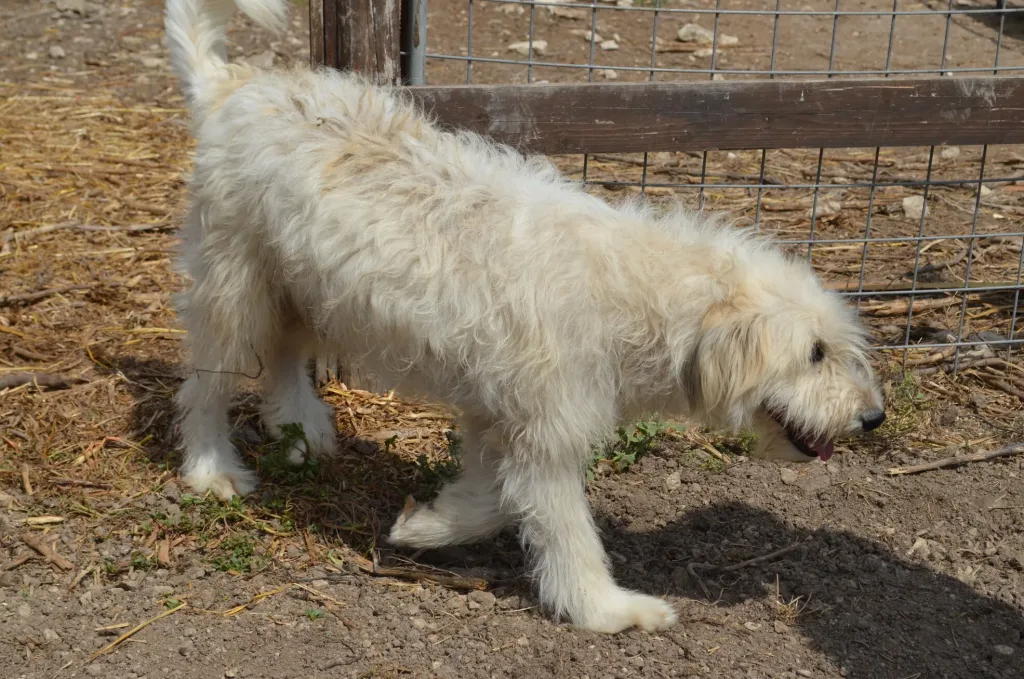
(699,116)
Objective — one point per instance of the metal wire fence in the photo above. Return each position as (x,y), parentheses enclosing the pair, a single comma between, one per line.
(928,241)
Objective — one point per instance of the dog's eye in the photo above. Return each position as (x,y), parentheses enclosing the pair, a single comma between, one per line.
(818,353)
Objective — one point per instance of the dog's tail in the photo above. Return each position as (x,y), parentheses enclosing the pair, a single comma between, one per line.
(196,33)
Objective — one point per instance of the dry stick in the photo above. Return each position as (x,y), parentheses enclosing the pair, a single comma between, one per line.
(1001,385)
(26,479)
(693,567)
(109,647)
(80,484)
(23,558)
(46,551)
(978,363)
(11,300)
(77,226)
(956,461)
(931,359)
(450,581)
(901,307)
(53,381)
(28,355)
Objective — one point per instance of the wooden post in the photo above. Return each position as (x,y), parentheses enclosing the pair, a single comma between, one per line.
(361,36)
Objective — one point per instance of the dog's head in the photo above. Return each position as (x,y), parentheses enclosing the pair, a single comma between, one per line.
(785,356)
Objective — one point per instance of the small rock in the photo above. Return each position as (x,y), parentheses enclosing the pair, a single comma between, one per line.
(231,673)
(484,600)
(804,673)
(718,76)
(56,52)
(608,74)
(623,3)
(789,476)
(540,47)
(609,45)
(1003,650)
(781,627)
(32,56)
(411,609)
(418,623)
(586,34)
(914,207)
(921,548)
(522,641)
(50,636)
(24,611)
(672,481)
(695,33)
(950,153)
(171,491)
(752,626)
(727,40)
(985,191)
(826,207)
(95,670)
(637,661)
(703,53)
(152,62)
(161,590)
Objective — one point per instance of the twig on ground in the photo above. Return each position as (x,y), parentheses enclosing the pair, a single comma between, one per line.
(958,460)
(11,300)
(22,352)
(113,644)
(80,483)
(1001,385)
(939,266)
(19,560)
(692,568)
(976,363)
(21,236)
(931,359)
(900,307)
(451,581)
(26,479)
(46,552)
(51,380)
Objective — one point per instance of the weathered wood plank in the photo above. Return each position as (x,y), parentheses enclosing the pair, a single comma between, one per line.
(316,33)
(608,118)
(368,33)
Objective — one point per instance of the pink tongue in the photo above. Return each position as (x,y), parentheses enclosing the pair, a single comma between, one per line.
(824,449)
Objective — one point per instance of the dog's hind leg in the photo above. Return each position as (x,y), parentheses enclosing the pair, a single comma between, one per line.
(229,318)
(292,400)
(570,568)
(466,510)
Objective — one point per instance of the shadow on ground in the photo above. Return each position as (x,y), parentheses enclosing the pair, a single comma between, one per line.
(870,610)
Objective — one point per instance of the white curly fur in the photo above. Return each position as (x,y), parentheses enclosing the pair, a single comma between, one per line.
(328,214)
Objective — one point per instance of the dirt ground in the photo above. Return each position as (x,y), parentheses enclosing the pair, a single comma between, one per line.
(821,570)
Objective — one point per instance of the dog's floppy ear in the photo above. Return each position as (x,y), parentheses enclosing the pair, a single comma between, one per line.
(728,363)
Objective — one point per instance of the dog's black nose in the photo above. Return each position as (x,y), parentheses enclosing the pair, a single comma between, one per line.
(872,419)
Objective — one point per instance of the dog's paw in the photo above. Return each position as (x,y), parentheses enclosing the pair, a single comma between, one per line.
(630,609)
(224,485)
(414,526)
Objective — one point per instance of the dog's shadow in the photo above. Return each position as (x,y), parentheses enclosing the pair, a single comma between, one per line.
(869,610)
(350,498)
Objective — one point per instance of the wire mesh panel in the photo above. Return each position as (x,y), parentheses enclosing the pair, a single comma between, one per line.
(927,240)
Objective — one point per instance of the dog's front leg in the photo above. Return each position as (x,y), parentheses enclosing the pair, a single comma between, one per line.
(571,568)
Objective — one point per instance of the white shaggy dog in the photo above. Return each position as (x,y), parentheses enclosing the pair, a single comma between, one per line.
(328,214)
